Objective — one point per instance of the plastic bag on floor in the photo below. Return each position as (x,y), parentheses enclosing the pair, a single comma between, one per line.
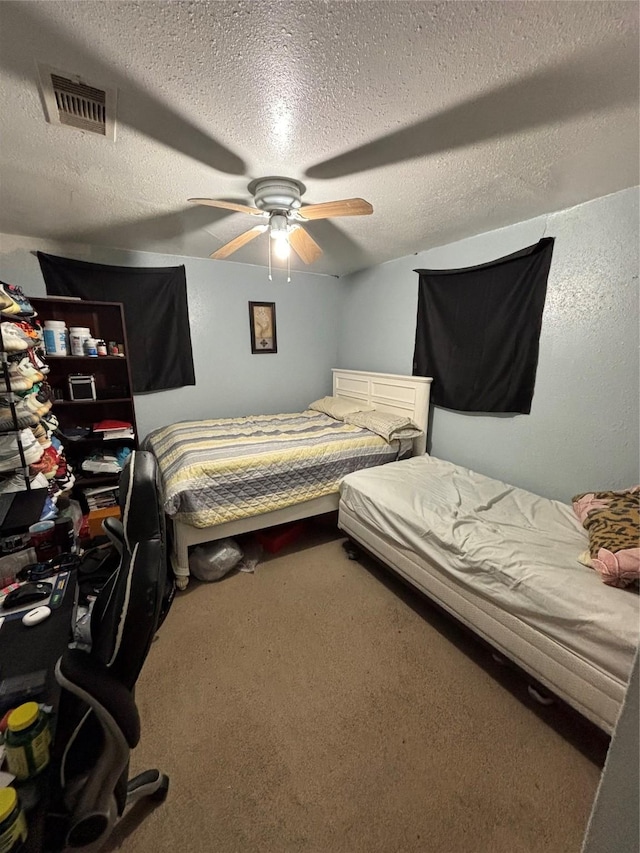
(252,554)
(213,560)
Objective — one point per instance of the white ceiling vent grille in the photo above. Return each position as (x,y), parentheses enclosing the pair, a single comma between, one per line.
(79,105)
(76,103)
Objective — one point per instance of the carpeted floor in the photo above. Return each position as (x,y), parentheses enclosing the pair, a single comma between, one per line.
(318,707)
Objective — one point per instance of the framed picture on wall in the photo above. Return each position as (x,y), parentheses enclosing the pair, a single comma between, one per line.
(262,322)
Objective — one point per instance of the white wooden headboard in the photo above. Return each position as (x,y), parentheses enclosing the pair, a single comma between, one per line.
(389,392)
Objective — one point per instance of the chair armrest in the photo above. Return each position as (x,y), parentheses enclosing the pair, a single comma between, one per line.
(90,680)
(114,530)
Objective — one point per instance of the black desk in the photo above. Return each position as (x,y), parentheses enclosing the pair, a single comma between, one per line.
(24,650)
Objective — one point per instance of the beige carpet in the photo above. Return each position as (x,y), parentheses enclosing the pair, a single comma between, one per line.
(316,706)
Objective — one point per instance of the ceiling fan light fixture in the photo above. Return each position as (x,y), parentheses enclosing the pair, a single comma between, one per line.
(278,224)
(279,233)
(281,246)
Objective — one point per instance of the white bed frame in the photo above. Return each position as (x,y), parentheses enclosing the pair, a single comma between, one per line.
(595,693)
(386,392)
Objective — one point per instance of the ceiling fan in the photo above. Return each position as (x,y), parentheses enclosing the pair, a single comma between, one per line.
(278,204)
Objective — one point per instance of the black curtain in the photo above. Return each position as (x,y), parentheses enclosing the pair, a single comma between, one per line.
(478,329)
(155,311)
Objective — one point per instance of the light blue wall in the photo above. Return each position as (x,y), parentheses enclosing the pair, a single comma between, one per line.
(229,379)
(583,430)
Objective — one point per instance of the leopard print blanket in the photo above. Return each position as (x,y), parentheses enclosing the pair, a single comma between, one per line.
(612,520)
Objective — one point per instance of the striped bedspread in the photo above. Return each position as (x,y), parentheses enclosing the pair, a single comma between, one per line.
(221,470)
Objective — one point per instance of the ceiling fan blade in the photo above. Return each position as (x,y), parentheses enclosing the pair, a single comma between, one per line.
(345,207)
(238,242)
(172,228)
(304,245)
(227,205)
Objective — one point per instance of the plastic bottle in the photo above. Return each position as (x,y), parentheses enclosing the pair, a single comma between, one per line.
(27,741)
(101,347)
(77,337)
(90,347)
(13,826)
(55,337)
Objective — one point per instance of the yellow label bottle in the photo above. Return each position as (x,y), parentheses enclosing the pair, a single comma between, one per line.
(13,826)
(27,741)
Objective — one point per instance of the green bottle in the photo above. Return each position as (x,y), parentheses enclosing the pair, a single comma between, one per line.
(13,826)
(27,741)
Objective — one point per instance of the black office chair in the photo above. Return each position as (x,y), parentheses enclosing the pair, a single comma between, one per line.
(98,719)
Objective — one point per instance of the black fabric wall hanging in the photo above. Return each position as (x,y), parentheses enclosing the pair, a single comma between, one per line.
(478,329)
(155,311)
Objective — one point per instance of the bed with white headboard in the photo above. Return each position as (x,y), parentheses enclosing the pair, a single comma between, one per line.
(384,392)
(389,392)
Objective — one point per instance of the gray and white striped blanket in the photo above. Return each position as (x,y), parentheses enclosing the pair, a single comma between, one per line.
(215,471)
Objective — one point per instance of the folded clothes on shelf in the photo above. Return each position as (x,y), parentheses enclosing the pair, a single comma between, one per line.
(110,428)
(75,433)
(109,435)
(103,464)
(106,462)
(110,423)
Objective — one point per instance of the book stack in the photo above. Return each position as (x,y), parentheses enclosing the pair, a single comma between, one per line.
(101,497)
(110,429)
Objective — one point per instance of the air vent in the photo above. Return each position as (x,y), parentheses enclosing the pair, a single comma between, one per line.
(76,103)
(80,105)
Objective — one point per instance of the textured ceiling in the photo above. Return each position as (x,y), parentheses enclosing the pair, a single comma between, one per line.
(451,118)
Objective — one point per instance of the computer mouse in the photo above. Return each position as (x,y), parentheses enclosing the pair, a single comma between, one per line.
(37,615)
(26,593)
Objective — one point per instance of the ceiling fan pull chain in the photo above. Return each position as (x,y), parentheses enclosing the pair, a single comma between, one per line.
(288,267)
(270,278)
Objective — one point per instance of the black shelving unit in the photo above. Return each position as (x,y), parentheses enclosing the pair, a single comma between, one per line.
(112,375)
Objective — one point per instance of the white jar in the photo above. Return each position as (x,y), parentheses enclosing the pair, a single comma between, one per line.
(77,337)
(55,337)
(90,347)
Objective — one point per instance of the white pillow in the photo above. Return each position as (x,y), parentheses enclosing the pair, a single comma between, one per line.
(385,424)
(339,407)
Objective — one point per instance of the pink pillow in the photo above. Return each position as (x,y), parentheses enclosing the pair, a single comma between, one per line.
(619,569)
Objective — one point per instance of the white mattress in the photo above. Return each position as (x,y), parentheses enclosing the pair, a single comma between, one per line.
(509,546)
